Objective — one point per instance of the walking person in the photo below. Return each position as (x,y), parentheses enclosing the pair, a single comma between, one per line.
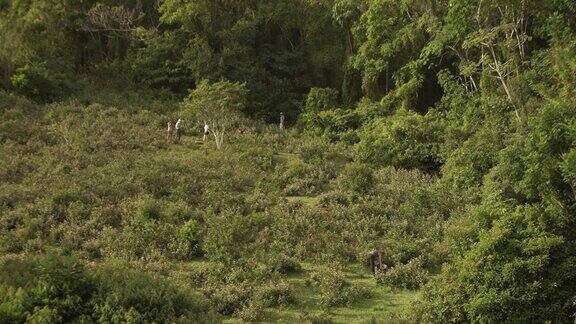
(177,130)
(170,132)
(206,132)
(282,120)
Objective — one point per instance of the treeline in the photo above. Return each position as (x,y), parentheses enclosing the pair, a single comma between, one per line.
(478,93)
(389,52)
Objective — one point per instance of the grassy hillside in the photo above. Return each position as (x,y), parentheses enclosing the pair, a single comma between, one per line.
(273,227)
(440,132)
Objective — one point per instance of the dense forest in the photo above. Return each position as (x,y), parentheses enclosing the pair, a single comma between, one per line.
(439,133)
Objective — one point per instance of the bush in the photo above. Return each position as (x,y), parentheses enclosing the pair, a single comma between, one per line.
(323,117)
(411,275)
(320,99)
(48,287)
(230,233)
(284,264)
(443,299)
(356,178)
(253,312)
(335,124)
(405,140)
(39,84)
(189,239)
(275,294)
(303,179)
(521,283)
(334,198)
(125,294)
(148,209)
(335,290)
(314,149)
(229,299)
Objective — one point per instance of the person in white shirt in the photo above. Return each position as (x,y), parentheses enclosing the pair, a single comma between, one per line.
(170,131)
(177,129)
(282,121)
(206,132)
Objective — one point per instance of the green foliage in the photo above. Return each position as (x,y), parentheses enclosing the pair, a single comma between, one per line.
(323,117)
(356,178)
(219,104)
(274,49)
(284,264)
(524,254)
(411,275)
(337,291)
(190,239)
(334,124)
(320,99)
(125,294)
(275,294)
(161,64)
(50,287)
(405,140)
(302,179)
(39,84)
(459,117)
(54,288)
(230,233)
(215,101)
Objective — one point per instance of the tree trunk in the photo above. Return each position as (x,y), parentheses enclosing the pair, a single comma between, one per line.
(218,138)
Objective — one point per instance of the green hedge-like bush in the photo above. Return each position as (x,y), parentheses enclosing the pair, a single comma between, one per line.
(335,290)
(320,99)
(55,288)
(275,294)
(356,178)
(39,84)
(411,275)
(405,140)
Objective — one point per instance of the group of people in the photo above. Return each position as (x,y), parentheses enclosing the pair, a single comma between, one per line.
(174,131)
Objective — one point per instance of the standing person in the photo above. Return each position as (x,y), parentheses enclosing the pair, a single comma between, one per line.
(177,129)
(206,132)
(170,131)
(282,120)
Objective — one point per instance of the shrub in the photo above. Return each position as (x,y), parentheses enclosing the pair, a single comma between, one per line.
(335,290)
(320,99)
(314,149)
(253,312)
(443,299)
(230,233)
(317,318)
(334,198)
(189,239)
(39,84)
(229,298)
(303,179)
(125,294)
(356,178)
(44,287)
(405,140)
(368,109)
(411,275)
(335,124)
(284,264)
(523,282)
(275,294)
(148,209)
(466,165)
